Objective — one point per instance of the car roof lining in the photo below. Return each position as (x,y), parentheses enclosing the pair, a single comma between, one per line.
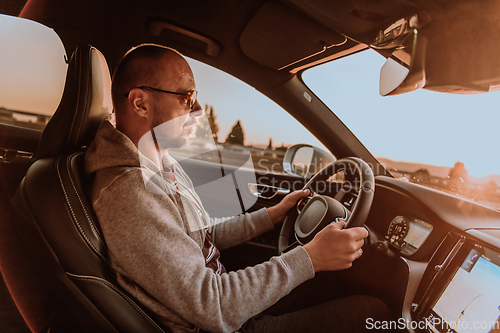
(257,37)
(127,26)
(271,34)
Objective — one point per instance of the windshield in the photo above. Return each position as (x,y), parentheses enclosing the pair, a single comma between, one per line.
(445,141)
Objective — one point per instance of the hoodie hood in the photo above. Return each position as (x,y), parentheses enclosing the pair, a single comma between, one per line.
(111,148)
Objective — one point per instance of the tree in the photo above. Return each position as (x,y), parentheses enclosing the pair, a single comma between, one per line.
(269,148)
(458,178)
(203,129)
(491,187)
(270,145)
(281,148)
(423,172)
(207,126)
(212,121)
(237,135)
(458,173)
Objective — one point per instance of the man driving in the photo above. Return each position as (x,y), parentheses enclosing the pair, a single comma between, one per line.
(163,245)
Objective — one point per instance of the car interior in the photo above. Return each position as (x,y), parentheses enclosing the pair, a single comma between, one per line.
(53,260)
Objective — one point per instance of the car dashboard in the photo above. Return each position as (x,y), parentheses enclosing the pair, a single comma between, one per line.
(451,248)
(407,233)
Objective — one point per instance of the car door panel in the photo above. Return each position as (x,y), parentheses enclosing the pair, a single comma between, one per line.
(17,148)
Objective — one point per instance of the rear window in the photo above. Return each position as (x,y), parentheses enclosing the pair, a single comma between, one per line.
(33,69)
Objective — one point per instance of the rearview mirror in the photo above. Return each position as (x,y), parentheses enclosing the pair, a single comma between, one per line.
(303,160)
(392,75)
(404,69)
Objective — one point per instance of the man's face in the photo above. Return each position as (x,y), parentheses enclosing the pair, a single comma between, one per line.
(174,120)
(173,133)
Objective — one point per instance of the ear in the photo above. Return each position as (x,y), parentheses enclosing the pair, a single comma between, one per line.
(137,101)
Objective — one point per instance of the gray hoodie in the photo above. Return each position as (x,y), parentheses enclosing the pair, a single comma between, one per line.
(157,254)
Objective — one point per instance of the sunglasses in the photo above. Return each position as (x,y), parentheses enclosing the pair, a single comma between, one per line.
(191,96)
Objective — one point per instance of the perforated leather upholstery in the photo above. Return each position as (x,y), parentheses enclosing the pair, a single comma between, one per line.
(83,295)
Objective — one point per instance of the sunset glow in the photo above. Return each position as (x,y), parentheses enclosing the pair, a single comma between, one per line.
(33,61)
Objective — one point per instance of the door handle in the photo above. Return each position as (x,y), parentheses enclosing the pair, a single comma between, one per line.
(266,191)
(9,155)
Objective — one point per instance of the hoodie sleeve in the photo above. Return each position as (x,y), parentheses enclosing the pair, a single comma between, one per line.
(148,243)
(231,231)
(240,229)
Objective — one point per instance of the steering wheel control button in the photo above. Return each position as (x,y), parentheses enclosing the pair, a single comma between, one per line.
(302,203)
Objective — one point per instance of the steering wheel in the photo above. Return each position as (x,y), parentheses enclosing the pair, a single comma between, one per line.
(320,210)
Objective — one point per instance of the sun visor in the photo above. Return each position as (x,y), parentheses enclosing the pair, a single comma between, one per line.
(278,36)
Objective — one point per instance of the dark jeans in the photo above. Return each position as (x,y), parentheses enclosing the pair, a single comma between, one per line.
(315,306)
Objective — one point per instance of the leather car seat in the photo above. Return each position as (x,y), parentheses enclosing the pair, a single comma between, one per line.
(66,284)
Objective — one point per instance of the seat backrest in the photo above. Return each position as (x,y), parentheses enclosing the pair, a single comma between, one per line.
(66,252)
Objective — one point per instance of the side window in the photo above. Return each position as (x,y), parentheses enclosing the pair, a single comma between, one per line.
(32,72)
(243,120)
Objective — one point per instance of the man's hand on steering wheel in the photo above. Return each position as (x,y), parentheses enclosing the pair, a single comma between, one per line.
(277,213)
(335,248)
(332,246)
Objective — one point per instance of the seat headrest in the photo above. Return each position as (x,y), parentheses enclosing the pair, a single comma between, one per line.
(86,101)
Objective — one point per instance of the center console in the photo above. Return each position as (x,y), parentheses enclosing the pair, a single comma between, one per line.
(463,293)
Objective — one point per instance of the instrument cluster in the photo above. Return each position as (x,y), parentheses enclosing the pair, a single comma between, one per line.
(407,234)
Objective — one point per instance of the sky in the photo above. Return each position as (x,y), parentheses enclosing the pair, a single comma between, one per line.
(421,126)
(233,99)
(32,66)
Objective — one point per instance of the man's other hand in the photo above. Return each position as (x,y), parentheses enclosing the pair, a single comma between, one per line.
(334,248)
(277,213)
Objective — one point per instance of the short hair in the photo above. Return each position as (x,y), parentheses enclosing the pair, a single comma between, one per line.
(137,67)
